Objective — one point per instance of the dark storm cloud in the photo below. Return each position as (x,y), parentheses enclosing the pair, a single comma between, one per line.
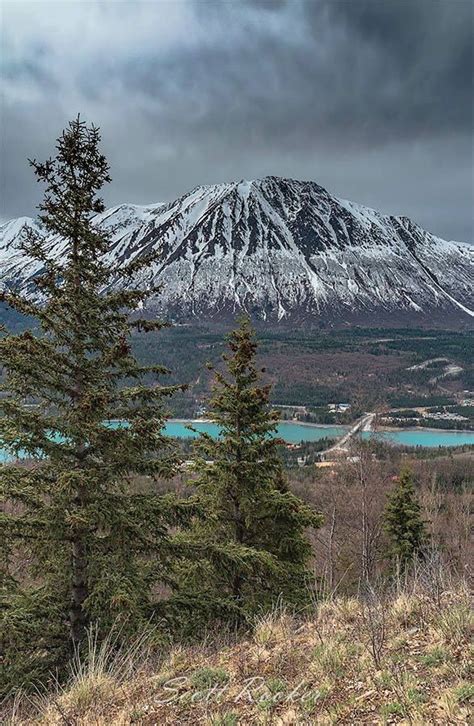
(371,98)
(424,50)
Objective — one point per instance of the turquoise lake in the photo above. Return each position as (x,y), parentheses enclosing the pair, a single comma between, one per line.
(295,433)
(425,437)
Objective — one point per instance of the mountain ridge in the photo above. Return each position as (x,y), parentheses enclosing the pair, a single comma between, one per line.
(279,249)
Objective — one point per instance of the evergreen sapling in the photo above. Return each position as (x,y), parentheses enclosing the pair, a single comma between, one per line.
(252,527)
(403,522)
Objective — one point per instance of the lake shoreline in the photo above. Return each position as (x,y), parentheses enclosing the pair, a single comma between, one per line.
(423,428)
(382,429)
(300,432)
(278,421)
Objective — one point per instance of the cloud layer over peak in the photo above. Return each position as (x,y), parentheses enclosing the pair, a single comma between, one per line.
(370,98)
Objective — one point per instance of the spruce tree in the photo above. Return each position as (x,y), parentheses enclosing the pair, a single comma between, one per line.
(253,527)
(82,544)
(403,522)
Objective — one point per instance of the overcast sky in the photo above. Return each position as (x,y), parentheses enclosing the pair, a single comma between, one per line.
(370,98)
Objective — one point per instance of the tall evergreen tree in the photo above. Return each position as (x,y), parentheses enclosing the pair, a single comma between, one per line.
(403,521)
(252,524)
(82,545)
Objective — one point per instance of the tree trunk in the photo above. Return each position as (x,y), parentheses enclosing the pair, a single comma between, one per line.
(364,531)
(77,615)
(239,537)
(330,582)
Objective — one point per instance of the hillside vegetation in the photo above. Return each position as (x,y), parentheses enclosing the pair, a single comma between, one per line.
(398,658)
(369,368)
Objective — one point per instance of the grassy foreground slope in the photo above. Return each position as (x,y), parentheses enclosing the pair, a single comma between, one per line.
(399,659)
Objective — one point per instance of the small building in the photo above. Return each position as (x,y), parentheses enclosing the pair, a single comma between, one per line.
(339,407)
(342,407)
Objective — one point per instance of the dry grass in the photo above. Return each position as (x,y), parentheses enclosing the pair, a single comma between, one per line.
(287,671)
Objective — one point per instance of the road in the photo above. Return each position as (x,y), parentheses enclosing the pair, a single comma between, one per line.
(363,424)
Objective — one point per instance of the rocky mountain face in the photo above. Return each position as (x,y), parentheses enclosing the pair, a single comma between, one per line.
(282,250)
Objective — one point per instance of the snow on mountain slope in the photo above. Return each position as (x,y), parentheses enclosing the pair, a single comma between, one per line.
(13,264)
(279,249)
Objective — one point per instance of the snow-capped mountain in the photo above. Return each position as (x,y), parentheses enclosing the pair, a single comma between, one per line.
(279,249)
